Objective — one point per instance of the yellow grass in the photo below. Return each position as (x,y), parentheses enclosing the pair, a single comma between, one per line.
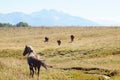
(94,47)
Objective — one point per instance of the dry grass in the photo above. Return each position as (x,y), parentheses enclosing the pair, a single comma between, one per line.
(84,37)
(93,48)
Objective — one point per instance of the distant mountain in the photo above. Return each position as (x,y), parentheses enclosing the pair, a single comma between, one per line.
(46,18)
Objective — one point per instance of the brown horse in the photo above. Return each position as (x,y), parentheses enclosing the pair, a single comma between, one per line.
(72,38)
(33,60)
(59,42)
(46,39)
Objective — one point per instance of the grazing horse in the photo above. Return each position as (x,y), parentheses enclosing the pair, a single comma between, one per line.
(46,39)
(33,60)
(72,38)
(59,42)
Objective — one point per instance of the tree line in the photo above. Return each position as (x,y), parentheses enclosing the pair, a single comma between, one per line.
(20,24)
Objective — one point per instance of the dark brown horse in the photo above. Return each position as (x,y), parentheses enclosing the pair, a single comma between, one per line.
(33,60)
(72,38)
(46,39)
(59,42)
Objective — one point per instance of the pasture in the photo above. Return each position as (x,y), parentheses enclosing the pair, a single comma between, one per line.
(93,55)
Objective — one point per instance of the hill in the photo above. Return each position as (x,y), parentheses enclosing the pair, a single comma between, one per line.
(46,18)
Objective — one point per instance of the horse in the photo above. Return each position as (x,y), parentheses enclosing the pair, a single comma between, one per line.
(33,60)
(72,38)
(46,39)
(59,42)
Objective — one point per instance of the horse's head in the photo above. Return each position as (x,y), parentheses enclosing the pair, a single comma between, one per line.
(28,49)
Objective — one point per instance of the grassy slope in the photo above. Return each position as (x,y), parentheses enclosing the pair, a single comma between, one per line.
(93,48)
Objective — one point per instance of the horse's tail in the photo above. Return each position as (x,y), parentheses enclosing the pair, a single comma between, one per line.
(44,64)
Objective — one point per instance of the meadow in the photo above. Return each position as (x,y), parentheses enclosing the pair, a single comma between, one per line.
(94,54)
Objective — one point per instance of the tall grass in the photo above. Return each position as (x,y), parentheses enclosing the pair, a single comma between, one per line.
(94,48)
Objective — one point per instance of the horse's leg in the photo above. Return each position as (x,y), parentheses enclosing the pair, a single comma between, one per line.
(38,70)
(35,69)
(31,71)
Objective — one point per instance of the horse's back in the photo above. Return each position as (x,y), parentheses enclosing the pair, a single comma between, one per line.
(32,61)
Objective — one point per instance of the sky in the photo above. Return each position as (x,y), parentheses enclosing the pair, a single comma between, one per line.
(105,12)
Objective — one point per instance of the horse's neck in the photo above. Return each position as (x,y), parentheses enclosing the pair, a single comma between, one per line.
(33,54)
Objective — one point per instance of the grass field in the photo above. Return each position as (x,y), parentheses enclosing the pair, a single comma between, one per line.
(94,55)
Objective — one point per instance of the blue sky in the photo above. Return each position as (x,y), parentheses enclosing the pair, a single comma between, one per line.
(105,12)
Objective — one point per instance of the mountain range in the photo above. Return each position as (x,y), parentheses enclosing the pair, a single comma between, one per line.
(46,18)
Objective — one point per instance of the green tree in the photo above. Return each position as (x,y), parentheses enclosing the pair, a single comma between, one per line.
(1,25)
(6,25)
(22,24)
